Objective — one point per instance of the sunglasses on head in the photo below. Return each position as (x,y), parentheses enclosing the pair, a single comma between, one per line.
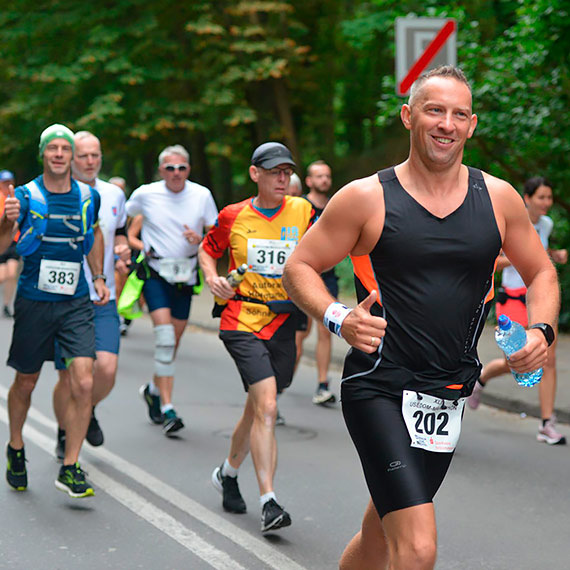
(173,167)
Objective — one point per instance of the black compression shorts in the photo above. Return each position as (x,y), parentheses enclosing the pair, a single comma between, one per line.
(397,475)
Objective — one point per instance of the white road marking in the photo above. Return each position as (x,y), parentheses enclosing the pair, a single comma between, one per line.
(141,507)
(261,550)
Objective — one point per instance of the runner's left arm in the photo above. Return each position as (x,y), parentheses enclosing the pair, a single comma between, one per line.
(524,249)
(95,261)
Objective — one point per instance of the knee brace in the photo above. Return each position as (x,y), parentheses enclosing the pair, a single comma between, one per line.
(164,343)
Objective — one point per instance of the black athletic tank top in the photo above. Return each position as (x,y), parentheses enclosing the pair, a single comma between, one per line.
(434,277)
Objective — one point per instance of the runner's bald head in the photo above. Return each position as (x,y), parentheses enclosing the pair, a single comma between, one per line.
(446,71)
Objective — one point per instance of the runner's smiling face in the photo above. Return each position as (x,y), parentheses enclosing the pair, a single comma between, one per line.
(57,157)
(174,170)
(440,121)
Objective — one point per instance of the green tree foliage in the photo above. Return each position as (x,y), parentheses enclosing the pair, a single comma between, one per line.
(219,77)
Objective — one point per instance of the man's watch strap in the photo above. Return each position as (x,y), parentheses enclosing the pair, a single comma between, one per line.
(99,276)
(547,330)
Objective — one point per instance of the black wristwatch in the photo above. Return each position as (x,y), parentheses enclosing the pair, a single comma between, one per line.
(99,276)
(547,330)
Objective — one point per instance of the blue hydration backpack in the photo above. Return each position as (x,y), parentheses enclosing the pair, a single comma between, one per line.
(34,225)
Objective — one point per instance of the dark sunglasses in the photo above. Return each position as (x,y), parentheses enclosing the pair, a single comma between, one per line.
(173,167)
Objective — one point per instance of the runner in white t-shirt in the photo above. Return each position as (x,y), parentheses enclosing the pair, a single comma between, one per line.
(538,199)
(176,214)
(112,220)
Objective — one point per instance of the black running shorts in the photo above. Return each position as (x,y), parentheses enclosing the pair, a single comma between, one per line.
(397,475)
(258,359)
(38,324)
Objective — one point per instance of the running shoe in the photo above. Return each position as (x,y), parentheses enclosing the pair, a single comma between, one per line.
(172,423)
(71,480)
(94,434)
(274,516)
(279,420)
(323,396)
(475,399)
(153,403)
(16,473)
(232,501)
(549,434)
(60,445)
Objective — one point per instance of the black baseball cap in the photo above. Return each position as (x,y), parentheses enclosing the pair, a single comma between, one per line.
(271,154)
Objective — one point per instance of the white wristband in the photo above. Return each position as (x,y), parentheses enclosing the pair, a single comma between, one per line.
(334,316)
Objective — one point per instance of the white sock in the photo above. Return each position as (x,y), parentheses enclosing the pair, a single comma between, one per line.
(228,470)
(153,389)
(166,407)
(268,496)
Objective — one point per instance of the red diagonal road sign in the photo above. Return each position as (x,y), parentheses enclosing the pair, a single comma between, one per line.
(427,56)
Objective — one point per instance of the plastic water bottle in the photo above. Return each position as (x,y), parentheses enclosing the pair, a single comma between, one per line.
(234,277)
(510,337)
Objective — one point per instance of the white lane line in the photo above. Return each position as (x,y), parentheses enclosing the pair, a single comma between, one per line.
(141,507)
(267,554)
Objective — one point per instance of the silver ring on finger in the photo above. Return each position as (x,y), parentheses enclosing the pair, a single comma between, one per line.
(373,341)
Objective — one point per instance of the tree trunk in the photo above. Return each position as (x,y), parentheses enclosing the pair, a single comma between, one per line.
(286,118)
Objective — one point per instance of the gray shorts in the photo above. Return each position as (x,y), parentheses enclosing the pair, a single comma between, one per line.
(39,324)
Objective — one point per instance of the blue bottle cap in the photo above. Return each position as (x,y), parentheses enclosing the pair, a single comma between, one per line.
(504,322)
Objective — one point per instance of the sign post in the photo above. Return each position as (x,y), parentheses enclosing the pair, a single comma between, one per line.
(422,44)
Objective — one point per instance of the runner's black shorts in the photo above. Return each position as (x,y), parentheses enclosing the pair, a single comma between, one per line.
(397,475)
(331,281)
(39,324)
(258,359)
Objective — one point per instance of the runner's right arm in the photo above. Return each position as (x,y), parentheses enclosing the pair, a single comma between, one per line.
(350,224)
(134,231)
(8,222)
(218,285)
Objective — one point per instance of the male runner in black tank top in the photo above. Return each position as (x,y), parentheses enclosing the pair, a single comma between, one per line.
(423,237)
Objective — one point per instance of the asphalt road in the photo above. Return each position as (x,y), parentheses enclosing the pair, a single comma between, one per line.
(504,504)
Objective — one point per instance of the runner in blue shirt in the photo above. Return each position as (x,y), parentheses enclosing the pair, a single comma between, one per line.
(57,218)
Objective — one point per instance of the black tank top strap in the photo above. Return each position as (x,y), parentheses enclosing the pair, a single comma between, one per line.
(387,174)
(475,173)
